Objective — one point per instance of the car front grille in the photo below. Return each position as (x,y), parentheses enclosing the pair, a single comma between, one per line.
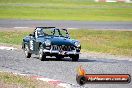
(63,48)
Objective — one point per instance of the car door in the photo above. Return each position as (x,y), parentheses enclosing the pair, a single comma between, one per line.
(32,44)
(36,45)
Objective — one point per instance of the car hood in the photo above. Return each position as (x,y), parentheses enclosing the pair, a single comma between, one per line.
(61,41)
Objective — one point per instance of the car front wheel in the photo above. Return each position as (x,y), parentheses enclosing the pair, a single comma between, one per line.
(26,51)
(42,55)
(75,57)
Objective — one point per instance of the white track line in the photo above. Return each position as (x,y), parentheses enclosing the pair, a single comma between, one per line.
(20,27)
(72,28)
(7,48)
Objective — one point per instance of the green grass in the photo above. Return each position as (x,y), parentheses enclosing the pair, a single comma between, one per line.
(13,79)
(65,10)
(113,42)
(105,41)
(8,79)
(13,37)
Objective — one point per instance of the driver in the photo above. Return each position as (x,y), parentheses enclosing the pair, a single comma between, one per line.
(40,32)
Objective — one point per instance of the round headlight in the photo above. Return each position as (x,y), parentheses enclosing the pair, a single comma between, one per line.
(77,44)
(47,42)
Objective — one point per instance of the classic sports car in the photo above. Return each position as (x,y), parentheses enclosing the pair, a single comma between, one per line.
(51,41)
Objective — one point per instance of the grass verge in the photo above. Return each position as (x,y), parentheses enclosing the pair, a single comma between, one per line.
(65,10)
(9,80)
(105,41)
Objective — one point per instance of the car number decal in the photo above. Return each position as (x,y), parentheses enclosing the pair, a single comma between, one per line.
(31,45)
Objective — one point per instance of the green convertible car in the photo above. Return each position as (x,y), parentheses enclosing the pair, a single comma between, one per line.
(51,41)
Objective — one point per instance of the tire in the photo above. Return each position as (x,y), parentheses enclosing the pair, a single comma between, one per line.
(42,55)
(81,80)
(75,57)
(26,51)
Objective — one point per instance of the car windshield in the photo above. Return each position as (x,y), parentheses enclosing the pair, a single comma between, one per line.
(55,32)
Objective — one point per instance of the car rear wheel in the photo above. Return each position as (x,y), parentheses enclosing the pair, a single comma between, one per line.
(42,55)
(75,57)
(26,51)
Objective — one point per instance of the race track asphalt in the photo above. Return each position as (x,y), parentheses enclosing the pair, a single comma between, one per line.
(65,70)
(67,24)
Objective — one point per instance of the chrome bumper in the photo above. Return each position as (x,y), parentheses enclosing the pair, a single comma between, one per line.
(62,53)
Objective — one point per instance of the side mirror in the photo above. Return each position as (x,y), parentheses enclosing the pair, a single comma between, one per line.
(31,35)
